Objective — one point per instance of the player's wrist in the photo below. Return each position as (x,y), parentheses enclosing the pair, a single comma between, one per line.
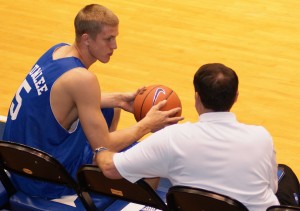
(98,150)
(144,127)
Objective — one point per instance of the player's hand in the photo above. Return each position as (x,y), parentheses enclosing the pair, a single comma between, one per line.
(157,119)
(127,99)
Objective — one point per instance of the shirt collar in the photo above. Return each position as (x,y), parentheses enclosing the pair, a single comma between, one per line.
(217,117)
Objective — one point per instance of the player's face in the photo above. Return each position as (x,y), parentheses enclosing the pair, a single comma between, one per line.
(103,46)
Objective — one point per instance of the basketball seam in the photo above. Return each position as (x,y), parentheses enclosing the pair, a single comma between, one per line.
(169,95)
(140,117)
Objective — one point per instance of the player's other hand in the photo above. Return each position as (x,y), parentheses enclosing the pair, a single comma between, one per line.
(126,99)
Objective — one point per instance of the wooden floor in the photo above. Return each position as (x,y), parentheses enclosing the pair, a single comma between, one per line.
(165,41)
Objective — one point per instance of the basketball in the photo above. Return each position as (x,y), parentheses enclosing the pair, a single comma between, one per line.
(151,96)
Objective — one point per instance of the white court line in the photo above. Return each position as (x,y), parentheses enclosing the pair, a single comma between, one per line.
(3,118)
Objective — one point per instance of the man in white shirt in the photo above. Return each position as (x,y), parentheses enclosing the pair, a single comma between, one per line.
(217,153)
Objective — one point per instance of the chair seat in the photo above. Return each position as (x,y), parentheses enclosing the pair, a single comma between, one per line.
(21,201)
(36,164)
(161,191)
(3,196)
(121,204)
(101,201)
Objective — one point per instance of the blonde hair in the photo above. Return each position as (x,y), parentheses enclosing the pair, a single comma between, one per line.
(91,19)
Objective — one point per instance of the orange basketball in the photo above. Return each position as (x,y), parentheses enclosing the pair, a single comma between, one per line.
(153,95)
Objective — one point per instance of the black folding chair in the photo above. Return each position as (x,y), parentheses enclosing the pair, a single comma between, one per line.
(283,208)
(189,198)
(36,164)
(92,179)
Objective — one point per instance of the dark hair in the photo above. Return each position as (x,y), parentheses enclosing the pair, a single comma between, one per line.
(91,18)
(217,86)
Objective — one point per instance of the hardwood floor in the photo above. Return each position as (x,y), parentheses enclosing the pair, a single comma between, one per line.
(165,41)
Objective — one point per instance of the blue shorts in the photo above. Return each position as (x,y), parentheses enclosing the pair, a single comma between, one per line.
(108,114)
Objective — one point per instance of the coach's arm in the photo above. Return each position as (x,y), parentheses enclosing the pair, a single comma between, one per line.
(104,160)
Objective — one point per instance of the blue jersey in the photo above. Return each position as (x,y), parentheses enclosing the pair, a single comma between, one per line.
(30,121)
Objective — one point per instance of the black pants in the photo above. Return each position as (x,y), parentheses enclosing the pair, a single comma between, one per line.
(288,187)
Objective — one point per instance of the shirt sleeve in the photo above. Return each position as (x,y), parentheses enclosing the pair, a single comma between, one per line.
(147,159)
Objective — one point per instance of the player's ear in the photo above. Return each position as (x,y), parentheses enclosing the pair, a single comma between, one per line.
(86,39)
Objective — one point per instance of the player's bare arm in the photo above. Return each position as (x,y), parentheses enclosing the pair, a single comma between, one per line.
(82,96)
(123,100)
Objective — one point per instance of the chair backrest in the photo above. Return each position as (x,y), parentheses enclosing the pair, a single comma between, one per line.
(283,208)
(2,126)
(36,164)
(92,179)
(189,198)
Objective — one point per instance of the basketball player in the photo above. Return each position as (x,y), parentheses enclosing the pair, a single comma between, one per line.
(217,153)
(57,107)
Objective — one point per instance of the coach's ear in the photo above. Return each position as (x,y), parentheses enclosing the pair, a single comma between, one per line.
(198,103)
(197,97)
(236,96)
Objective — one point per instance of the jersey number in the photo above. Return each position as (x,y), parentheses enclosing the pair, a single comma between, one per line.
(15,110)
